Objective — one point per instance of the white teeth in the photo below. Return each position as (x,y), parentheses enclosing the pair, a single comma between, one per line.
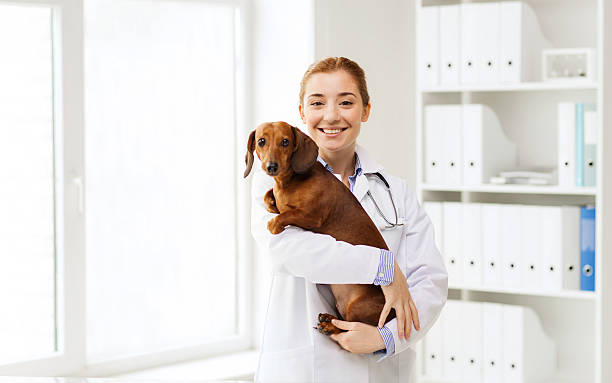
(332,131)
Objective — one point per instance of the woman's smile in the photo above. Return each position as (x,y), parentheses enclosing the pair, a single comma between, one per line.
(331,132)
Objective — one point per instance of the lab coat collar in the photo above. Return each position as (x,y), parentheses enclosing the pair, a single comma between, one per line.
(368,165)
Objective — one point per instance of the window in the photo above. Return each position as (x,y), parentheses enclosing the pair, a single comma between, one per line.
(160,157)
(27,196)
(122,211)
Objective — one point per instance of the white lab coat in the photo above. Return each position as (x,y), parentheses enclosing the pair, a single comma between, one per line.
(305,263)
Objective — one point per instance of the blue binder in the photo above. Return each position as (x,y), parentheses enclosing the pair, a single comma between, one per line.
(587,248)
(579,144)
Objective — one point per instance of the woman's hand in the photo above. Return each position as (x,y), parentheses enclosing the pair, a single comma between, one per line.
(397,296)
(360,338)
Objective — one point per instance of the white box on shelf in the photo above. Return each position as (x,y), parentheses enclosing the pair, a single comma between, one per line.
(569,64)
(486,149)
(492,346)
(453,237)
(449,45)
(491,248)
(531,247)
(472,250)
(429,46)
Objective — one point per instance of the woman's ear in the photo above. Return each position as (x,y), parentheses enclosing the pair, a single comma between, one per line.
(301,110)
(249,153)
(365,114)
(305,152)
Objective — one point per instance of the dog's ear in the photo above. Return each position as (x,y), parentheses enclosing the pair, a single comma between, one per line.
(305,152)
(249,154)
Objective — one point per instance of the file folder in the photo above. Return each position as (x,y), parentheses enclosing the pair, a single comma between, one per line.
(452,366)
(587,248)
(434,148)
(590,145)
(566,150)
(489,42)
(469,43)
(492,328)
(472,252)
(433,346)
(453,237)
(560,231)
(531,223)
(471,318)
(429,38)
(579,144)
(491,248)
(452,145)
(511,246)
(486,149)
(449,44)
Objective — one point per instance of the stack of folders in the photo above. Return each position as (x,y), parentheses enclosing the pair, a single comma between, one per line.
(577,151)
(524,247)
(489,343)
(464,145)
(479,43)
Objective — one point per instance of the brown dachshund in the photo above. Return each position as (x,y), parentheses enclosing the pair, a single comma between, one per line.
(307,195)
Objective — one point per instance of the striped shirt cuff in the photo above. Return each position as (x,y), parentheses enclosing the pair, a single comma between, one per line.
(384,275)
(385,333)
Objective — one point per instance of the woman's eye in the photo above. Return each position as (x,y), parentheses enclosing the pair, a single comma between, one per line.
(261,142)
(346,103)
(316,103)
(284,142)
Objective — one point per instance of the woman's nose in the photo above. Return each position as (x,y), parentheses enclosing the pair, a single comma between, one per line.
(331,113)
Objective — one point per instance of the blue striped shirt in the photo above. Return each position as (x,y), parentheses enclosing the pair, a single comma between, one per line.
(384,274)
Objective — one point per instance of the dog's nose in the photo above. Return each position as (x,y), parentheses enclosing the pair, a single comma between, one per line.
(272,167)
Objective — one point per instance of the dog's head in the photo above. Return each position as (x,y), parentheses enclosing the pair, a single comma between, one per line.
(281,148)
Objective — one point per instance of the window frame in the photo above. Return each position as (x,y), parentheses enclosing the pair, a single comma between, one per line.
(69,124)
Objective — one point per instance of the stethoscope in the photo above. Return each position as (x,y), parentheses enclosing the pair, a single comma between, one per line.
(389,225)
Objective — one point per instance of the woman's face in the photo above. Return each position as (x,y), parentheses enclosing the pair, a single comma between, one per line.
(333,110)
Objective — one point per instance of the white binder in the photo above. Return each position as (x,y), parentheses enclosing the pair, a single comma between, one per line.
(434,211)
(433,349)
(521,43)
(511,246)
(529,355)
(491,248)
(489,43)
(469,43)
(492,349)
(560,232)
(452,145)
(472,252)
(531,249)
(566,150)
(453,236)
(471,317)
(486,149)
(429,38)
(449,44)
(434,147)
(452,366)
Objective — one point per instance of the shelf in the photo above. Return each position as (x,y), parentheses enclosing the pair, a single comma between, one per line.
(583,295)
(512,189)
(520,87)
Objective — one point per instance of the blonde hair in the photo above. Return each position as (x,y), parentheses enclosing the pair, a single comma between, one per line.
(333,64)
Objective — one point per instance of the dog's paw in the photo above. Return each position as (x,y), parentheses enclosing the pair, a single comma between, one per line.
(274,226)
(325,326)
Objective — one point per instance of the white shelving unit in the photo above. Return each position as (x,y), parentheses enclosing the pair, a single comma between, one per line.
(579,322)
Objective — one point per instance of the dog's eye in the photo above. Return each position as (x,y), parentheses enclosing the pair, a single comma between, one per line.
(284,142)
(261,142)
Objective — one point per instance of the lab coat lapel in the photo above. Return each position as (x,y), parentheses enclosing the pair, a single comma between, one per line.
(368,165)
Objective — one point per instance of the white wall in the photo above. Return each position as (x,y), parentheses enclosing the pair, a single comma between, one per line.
(380,38)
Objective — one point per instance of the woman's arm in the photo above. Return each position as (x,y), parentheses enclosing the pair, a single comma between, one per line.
(317,257)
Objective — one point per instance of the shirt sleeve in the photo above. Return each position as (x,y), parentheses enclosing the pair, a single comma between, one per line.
(386,268)
(318,258)
(425,273)
(387,337)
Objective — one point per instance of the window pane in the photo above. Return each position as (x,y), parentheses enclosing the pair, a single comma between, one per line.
(160,173)
(27,216)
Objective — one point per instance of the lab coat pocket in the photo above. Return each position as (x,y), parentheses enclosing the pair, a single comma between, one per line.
(292,365)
